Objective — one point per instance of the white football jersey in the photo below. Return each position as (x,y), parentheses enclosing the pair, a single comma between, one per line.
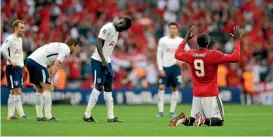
(166,49)
(12,48)
(49,53)
(108,33)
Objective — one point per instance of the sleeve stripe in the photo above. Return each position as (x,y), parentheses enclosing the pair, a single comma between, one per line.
(51,55)
(9,52)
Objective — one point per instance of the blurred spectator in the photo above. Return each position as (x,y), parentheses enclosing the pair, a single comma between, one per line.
(248,86)
(222,75)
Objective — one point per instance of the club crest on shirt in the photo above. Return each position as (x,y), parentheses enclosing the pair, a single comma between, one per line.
(48,79)
(104,31)
(99,80)
(15,83)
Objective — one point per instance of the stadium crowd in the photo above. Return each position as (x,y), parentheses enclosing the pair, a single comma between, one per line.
(134,59)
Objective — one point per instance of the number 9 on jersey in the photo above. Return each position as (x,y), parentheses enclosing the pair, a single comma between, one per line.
(199,67)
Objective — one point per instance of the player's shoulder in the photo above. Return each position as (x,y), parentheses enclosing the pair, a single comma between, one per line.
(179,38)
(10,37)
(165,38)
(108,25)
(64,47)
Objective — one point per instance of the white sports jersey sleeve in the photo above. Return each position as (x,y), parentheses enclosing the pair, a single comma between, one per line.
(4,48)
(160,49)
(110,36)
(12,49)
(63,53)
(104,32)
(166,50)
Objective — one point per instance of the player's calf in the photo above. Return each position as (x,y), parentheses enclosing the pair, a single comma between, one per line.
(18,103)
(199,119)
(213,121)
(160,103)
(47,88)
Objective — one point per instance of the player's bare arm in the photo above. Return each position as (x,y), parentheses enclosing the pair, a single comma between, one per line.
(235,56)
(54,68)
(159,59)
(3,50)
(99,44)
(189,34)
(180,53)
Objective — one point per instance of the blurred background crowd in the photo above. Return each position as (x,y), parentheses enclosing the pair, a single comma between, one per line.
(134,57)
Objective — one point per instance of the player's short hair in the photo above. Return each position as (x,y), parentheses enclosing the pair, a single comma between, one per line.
(17,22)
(128,22)
(70,41)
(203,40)
(173,23)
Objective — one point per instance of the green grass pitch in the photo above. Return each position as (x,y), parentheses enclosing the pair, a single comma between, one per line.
(138,121)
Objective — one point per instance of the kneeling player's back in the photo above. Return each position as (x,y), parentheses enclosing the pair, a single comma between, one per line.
(204,71)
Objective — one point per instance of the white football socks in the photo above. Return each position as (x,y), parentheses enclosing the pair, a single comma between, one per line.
(109,104)
(18,105)
(160,103)
(11,106)
(174,99)
(92,102)
(47,104)
(39,105)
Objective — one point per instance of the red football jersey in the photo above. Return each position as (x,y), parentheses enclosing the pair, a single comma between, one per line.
(204,67)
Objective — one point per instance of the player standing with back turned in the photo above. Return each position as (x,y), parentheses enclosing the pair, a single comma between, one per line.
(169,70)
(207,107)
(102,70)
(12,50)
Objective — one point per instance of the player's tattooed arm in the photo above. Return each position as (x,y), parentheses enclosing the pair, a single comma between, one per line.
(99,44)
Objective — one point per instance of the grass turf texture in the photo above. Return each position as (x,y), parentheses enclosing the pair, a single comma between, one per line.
(138,121)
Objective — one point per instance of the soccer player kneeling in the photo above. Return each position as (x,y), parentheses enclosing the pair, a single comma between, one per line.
(207,107)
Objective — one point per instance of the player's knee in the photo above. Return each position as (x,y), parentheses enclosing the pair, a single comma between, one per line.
(99,88)
(12,92)
(47,87)
(39,89)
(161,87)
(17,91)
(108,88)
(174,88)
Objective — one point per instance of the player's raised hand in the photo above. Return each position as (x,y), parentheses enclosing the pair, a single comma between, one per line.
(189,34)
(236,33)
